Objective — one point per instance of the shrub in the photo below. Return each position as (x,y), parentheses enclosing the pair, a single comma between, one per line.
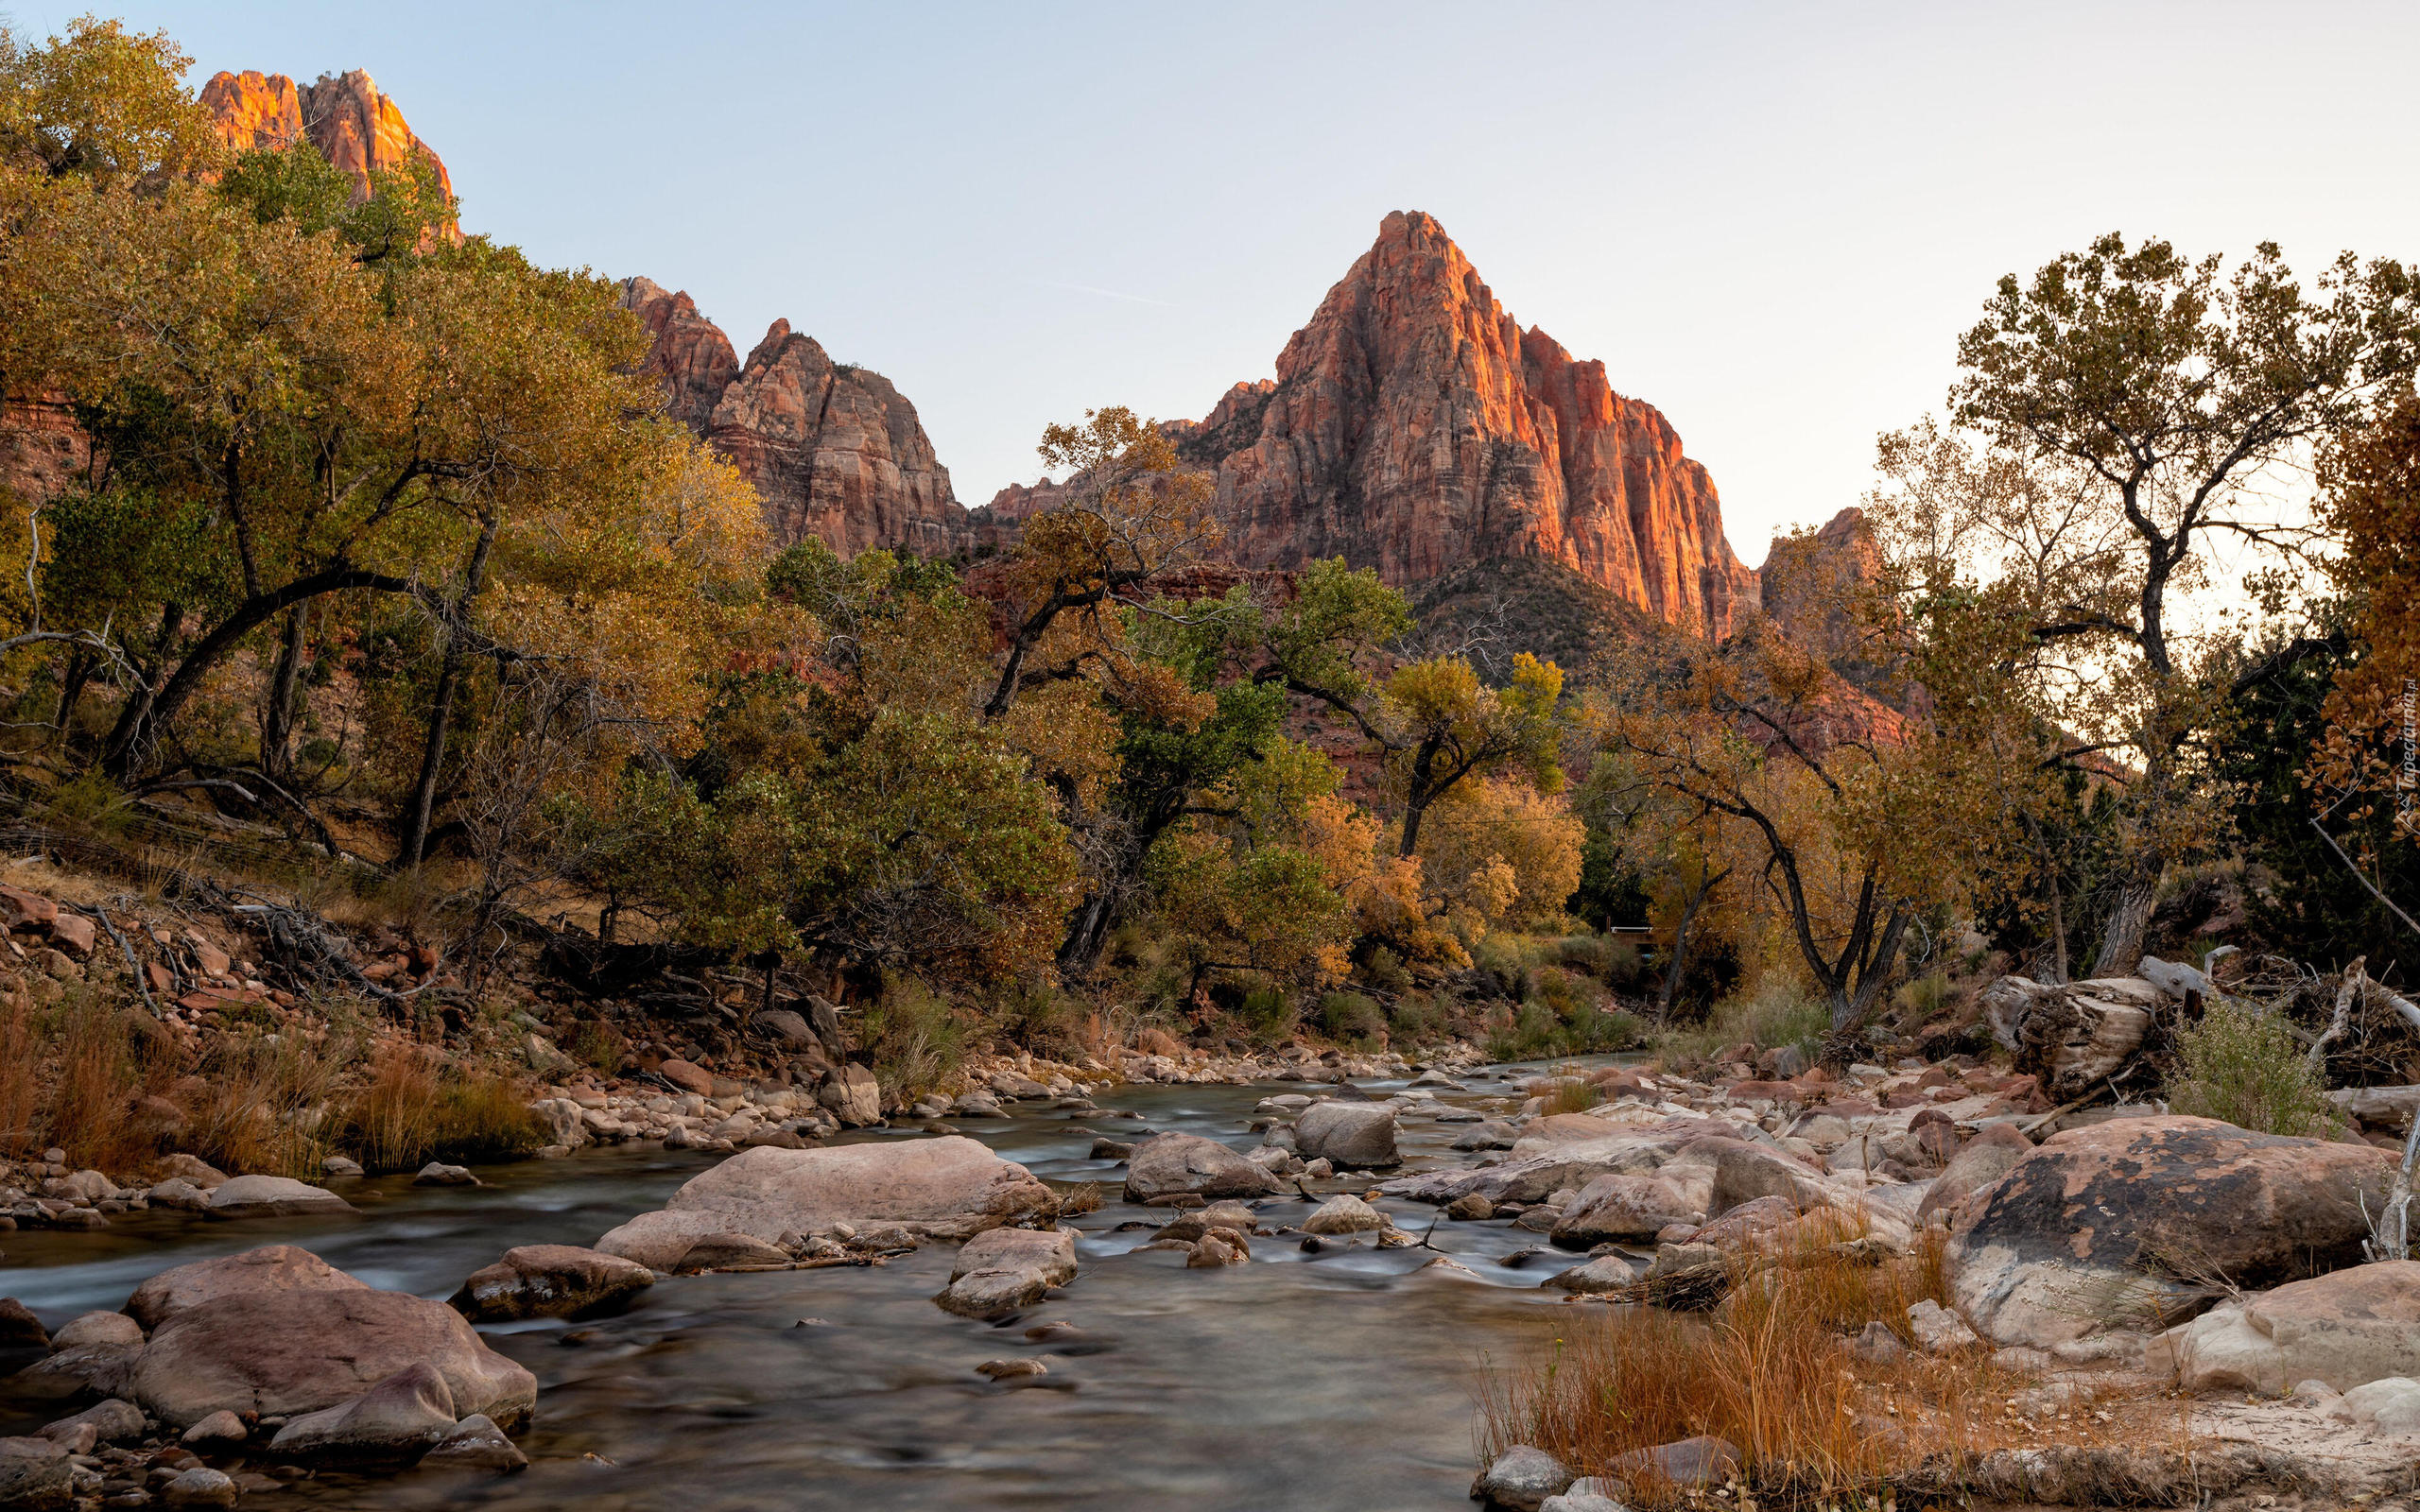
(1777,1014)
(93,1091)
(2243,1066)
(914,1038)
(260,1108)
(1614,962)
(1415,1017)
(1268,1013)
(1386,971)
(1350,1016)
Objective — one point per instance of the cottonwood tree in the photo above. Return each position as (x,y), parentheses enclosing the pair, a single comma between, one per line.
(2158,402)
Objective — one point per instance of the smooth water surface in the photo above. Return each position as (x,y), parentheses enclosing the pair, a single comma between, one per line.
(1342,1381)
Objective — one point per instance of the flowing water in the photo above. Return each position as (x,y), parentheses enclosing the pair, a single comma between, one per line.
(1341,1381)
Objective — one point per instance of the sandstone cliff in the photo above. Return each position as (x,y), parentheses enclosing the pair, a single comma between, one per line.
(353,123)
(834,451)
(1415,427)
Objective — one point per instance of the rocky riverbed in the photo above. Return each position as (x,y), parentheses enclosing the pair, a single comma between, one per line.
(1282,1298)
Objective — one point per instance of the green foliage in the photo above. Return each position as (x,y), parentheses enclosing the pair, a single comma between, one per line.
(1350,1016)
(2242,1065)
(101,103)
(1269,1012)
(1416,1019)
(1777,1014)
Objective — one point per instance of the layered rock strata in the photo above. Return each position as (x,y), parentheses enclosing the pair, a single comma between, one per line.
(356,126)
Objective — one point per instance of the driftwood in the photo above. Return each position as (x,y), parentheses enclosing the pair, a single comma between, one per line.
(2073,1036)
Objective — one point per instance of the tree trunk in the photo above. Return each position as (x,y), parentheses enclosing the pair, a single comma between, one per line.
(143,716)
(1087,929)
(71,689)
(413,840)
(277,718)
(2121,945)
(136,714)
(1680,960)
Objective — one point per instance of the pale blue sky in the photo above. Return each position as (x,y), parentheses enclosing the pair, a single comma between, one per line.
(1770,222)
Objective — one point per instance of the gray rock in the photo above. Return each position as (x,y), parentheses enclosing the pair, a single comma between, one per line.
(97,1328)
(1008,1269)
(179,1194)
(2389,1406)
(1187,1164)
(286,1352)
(785,1028)
(1692,1464)
(437,1174)
(1344,1214)
(1521,1480)
(269,1268)
(722,1252)
(477,1444)
(201,1486)
(19,1328)
(273,1196)
(112,1421)
(853,1094)
(395,1422)
(219,1430)
(36,1474)
(1492,1135)
(551,1281)
(1362,1135)
(1606,1273)
(947,1188)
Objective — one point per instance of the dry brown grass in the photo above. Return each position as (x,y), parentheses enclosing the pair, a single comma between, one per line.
(20,1080)
(259,1106)
(413,1110)
(1769,1370)
(1574,1097)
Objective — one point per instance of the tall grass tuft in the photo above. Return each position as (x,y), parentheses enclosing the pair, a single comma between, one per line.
(20,1079)
(1768,1370)
(914,1037)
(408,1115)
(262,1104)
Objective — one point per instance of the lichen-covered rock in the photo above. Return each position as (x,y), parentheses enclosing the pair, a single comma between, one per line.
(2088,1233)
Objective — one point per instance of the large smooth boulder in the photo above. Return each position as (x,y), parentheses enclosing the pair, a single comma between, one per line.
(272,1196)
(551,1281)
(1357,1135)
(2347,1328)
(947,1188)
(269,1268)
(1626,1207)
(1981,1161)
(2090,1232)
(286,1352)
(1003,1270)
(1745,1170)
(1187,1164)
(395,1422)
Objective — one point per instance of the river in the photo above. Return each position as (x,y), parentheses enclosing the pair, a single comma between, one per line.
(1335,1381)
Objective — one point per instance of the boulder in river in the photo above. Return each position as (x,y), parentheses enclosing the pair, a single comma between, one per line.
(269,1268)
(551,1281)
(1188,1164)
(2348,1328)
(2090,1231)
(476,1444)
(395,1422)
(1520,1479)
(1357,1135)
(1344,1214)
(947,1188)
(286,1352)
(853,1094)
(272,1196)
(1004,1270)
